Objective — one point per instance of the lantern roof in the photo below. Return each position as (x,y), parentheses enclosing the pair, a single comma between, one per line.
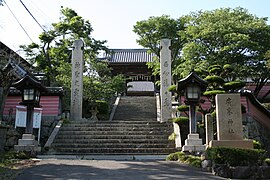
(192,78)
(29,81)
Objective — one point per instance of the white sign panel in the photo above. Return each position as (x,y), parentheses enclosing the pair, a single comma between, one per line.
(21,117)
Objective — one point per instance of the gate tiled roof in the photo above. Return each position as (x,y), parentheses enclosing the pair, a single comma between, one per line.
(130,56)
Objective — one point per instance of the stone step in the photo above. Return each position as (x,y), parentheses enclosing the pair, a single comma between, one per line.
(114,150)
(110,145)
(134,130)
(116,122)
(111,137)
(96,132)
(125,129)
(127,141)
(108,127)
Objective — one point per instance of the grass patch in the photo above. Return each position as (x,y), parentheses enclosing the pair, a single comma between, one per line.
(11,163)
(194,161)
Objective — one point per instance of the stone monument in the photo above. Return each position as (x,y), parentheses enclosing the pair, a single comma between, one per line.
(229,123)
(77,81)
(165,79)
(209,128)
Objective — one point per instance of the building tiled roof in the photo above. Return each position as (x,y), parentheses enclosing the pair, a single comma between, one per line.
(5,52)
(130,56)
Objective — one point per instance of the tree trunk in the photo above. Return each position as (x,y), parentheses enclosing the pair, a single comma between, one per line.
(3,97)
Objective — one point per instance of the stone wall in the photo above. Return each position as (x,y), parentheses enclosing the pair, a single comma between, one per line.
(258,132)
(9,135)
(3,132)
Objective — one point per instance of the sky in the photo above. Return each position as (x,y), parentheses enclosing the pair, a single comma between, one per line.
(112,20)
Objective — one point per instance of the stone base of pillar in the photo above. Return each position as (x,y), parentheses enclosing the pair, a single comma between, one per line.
(243,144)
(193,144)
(27,143)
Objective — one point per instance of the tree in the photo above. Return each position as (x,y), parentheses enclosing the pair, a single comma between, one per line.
(53,56)
(54,50)
(221,79)
(227,36)
(154,29)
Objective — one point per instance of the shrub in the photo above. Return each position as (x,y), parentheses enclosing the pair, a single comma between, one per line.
(267,161)
(193,161)
(213,92)
(182,157)
(16,155)
(214,79)
(103,107)
(235,156)
(215,69)
(257,144)
(234,85)
(12,156)
(228,68)
(183,108)
(180,120)
(175,156)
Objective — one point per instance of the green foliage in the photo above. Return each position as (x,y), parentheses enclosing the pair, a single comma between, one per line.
(180,120)
(172,88)
(234,85)
(102,106)
(183,108)
(215,69)
(235,156)
(194,161)
(52,56)
(214,114)
(175,156)
(12,156)
(214,79)
(229,38)
(257,144)
(172,137)
(233,39)
(228,68)
(213,93)
(267,161)
(182,157)
(152,30)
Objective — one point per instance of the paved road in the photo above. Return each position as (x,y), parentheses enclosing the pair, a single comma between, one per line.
(111,169)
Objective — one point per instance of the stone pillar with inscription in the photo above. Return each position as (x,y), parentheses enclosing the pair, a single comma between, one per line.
(229,122)
(77,81)
(209,128)
(165,80)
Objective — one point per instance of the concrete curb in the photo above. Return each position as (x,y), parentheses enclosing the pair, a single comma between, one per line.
(104,157)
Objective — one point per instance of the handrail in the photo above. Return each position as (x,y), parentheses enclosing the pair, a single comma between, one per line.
(265,112)
(114,107)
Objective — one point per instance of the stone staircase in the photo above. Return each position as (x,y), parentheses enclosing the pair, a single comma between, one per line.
(133,131)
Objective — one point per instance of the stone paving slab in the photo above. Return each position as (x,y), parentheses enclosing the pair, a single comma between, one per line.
(112,169)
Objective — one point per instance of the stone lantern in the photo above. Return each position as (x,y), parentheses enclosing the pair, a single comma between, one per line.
(192,86)
(30,88)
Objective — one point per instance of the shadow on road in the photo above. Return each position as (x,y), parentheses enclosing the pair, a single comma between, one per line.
(102,169)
